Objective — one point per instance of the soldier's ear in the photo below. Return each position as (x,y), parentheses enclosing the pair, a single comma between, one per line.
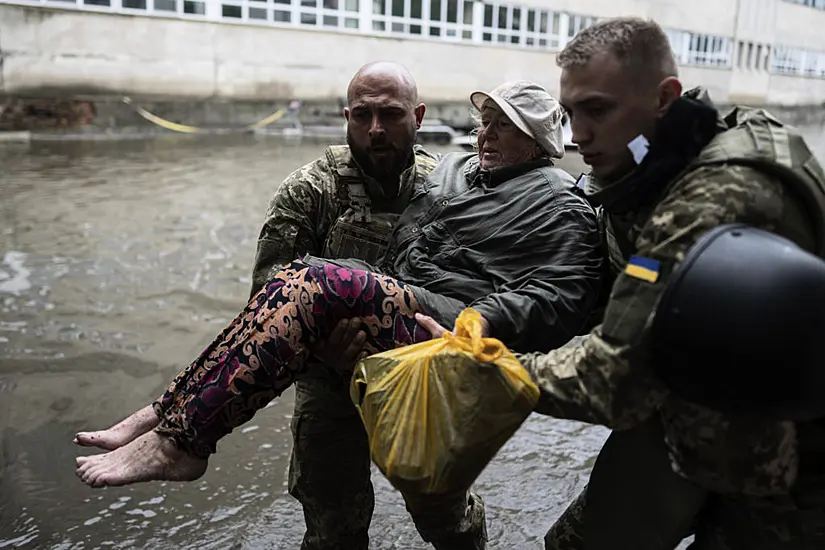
(419,114)
(669,90)
(346,113)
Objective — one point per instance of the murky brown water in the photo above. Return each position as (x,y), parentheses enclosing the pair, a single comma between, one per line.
(119,261)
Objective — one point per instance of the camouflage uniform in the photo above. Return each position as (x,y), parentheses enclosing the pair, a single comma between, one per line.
(331,209)
(759,493)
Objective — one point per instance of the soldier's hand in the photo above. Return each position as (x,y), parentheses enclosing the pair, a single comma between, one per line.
(343,347)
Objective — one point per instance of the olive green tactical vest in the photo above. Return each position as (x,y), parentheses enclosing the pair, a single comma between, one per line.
(359,231)
(756,138)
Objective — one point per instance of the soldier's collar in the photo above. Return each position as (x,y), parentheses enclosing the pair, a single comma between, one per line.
(405,180)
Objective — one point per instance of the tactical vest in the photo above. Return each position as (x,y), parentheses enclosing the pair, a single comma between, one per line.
(753,138)
(756,138)
(359,231)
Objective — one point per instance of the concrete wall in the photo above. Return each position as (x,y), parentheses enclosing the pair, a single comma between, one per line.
(800,26)
(751,87)
(53,52)
(48,51)
(717,81)
(690,16)
(56,51)
(756,20)
(789,90)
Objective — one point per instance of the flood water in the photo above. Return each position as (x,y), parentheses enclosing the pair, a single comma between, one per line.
(119,262)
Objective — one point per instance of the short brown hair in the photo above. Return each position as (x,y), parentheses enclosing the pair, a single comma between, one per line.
(640,45)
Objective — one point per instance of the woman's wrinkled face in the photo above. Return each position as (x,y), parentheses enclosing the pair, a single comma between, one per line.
(500,142)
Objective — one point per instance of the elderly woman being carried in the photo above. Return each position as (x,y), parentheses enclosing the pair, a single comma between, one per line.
(502,231)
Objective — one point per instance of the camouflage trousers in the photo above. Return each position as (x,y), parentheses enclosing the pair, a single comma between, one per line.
(329,475)
(635,500)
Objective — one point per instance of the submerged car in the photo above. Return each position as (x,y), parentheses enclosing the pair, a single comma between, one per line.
(435,131)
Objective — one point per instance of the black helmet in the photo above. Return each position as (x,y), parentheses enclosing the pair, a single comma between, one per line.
(740,327)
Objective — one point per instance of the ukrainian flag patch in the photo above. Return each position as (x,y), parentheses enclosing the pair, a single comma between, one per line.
(646,269)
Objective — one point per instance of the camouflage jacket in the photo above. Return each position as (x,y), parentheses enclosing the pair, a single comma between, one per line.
(606,379)
(330,208)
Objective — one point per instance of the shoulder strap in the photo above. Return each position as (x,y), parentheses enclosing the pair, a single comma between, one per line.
(755,138)
(349,182)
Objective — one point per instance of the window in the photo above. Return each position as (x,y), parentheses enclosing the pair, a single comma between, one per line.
(502,24)
(798,62)
(521,26)
(339,14)
(166,5)
(738,56)
(578,23)
(787,60)
(542,29)
(397,16)
(450,19)
(187,7)
(818,4)
(752,57)
(704,50)
(814,64)
(332,14)
(709,51)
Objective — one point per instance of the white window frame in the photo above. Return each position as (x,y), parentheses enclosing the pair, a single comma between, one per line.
(788,61)
(299,13)
(426,23)
(701,50)
(517,30)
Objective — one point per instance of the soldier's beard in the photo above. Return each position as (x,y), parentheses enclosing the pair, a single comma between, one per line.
(382,160)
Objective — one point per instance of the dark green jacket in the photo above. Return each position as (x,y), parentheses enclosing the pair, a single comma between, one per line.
(517,243)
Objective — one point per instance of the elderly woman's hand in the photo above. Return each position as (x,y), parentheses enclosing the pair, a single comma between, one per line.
(437,331)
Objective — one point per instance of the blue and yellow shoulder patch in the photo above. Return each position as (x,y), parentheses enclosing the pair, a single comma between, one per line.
(646,269)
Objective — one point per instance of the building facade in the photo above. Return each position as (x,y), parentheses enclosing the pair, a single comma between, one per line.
(753,51)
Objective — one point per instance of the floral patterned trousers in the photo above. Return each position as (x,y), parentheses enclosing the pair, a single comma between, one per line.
(260,353)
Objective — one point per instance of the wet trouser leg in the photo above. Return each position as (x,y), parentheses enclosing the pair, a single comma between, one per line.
(449,522)
(330,476)
(633,499)
(329,471)
(261,352)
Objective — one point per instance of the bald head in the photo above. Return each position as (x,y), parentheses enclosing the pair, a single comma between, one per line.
(386,77)
(383,115)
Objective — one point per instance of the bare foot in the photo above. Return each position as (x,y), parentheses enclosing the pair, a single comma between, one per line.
(150,457)
(120,434)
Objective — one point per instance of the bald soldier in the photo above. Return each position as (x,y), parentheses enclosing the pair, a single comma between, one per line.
(343,205)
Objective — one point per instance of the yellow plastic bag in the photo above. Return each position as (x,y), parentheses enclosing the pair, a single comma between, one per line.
(437,412)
